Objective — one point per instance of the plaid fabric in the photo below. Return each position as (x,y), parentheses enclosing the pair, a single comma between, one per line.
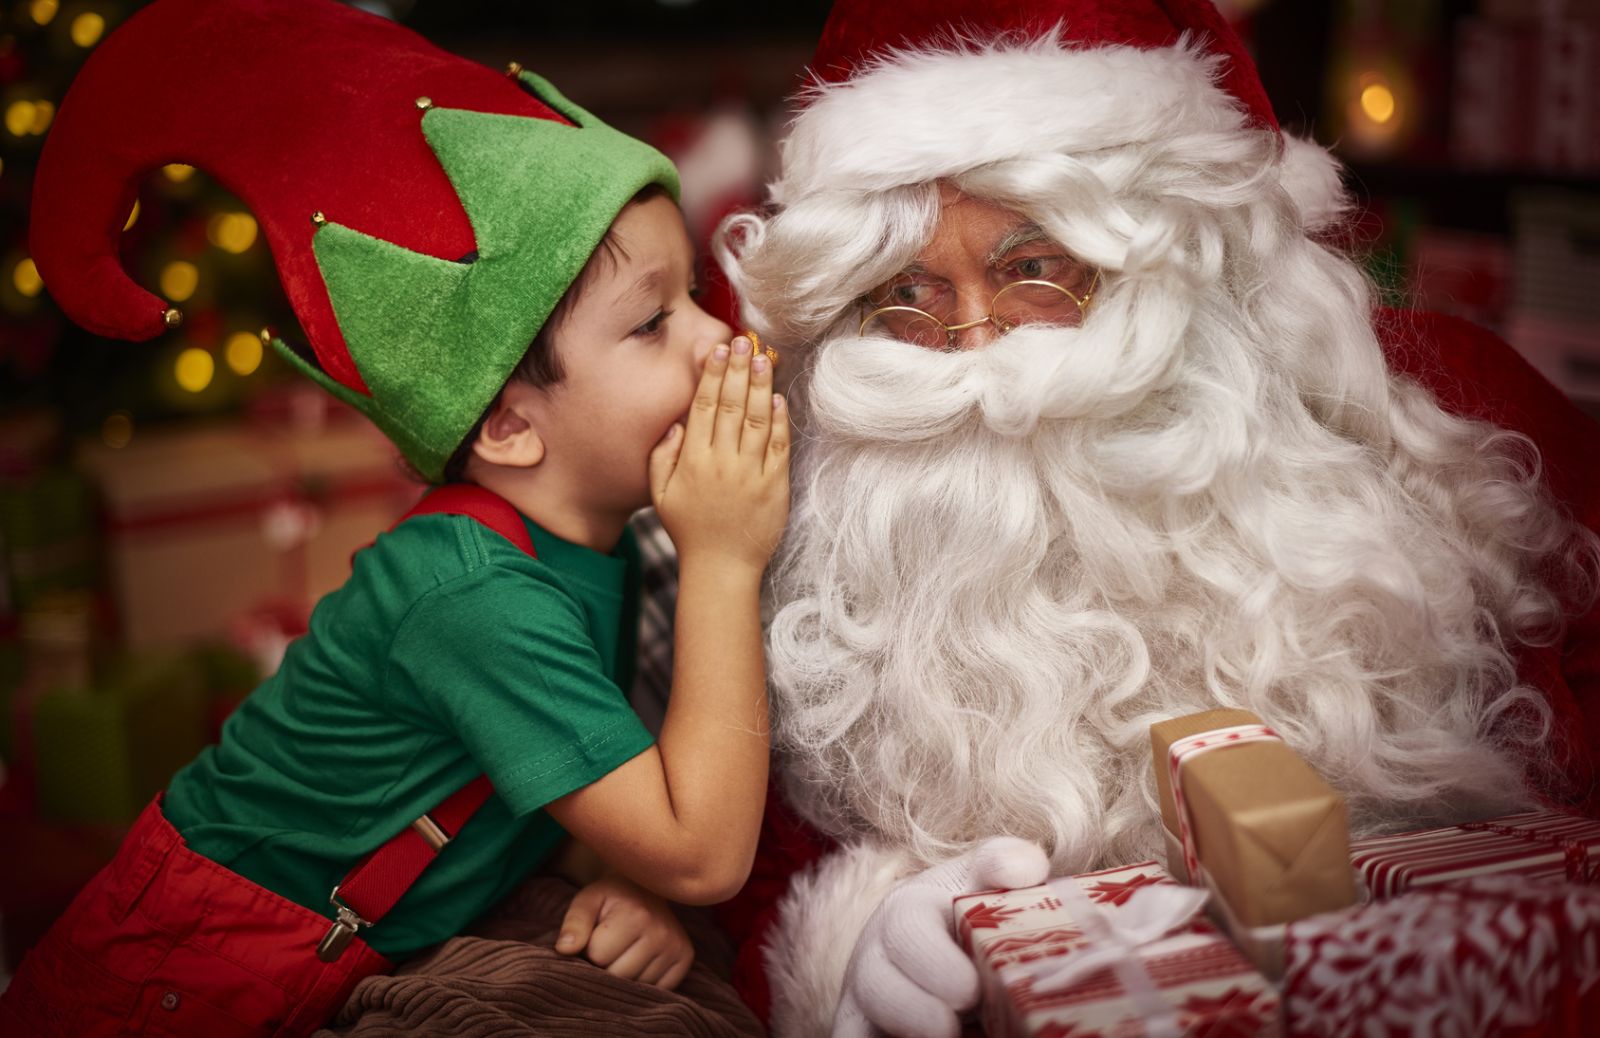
(658,600)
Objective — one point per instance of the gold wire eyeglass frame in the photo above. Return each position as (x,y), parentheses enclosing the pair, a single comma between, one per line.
(950,330)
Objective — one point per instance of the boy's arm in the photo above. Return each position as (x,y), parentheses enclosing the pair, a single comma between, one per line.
(681,818)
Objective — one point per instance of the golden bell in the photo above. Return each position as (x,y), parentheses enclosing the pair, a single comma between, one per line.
(172,317)
(756,347)
(424,103)
(318,219)
(514,69)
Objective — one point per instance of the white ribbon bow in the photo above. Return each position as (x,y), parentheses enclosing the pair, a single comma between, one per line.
(1114,940)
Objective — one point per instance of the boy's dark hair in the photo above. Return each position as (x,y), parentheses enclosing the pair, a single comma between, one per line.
(540,366)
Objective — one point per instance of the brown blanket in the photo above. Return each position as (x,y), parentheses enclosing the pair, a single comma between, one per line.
(504,977)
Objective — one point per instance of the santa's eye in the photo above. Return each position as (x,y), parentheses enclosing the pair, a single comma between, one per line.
(1037,268)
(916,293)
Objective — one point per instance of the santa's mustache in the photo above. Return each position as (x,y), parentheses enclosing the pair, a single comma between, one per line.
(877,388)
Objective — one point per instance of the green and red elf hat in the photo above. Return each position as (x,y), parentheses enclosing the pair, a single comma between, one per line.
(425,213)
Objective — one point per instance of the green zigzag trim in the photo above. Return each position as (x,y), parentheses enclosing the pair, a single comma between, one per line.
(435,340)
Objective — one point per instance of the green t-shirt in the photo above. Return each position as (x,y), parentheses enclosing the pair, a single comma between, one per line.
(448,653)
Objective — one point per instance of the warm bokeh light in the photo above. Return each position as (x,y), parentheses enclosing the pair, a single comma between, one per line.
(133,216)
(194,369)
(43,112)
(26,278)
(177,172)
(1377,102)
(232,232)
(179,279)
(243,352)
(19,118)
(116,431)
(87,29)
(43,11)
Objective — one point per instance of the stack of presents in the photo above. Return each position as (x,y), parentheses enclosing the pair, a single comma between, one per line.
(1267,919)
(145,587)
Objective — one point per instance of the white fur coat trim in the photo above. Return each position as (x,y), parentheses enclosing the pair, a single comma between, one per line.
(819,919)
(920,115)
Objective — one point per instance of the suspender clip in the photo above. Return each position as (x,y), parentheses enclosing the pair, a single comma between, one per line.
(343,930)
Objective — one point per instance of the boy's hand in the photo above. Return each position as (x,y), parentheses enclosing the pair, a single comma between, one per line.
(627,931)
(721,483)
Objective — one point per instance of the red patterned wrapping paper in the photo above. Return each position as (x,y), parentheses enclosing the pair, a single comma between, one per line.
(1537,845)
(1489,956)
(1206,983)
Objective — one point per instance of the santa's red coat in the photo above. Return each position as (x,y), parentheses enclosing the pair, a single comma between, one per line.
(1473,373)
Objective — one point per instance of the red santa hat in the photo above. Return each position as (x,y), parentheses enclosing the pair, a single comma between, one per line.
(910,92)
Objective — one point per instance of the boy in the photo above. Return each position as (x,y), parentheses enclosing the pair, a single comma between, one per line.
(470,667)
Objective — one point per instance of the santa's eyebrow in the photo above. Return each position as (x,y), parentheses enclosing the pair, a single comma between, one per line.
(1023,234)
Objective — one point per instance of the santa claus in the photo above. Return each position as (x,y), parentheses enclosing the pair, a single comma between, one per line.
(1100,428)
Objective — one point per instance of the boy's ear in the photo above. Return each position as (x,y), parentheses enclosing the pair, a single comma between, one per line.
(509,435)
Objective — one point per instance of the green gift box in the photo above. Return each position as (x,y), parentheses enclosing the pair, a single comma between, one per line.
(46,535)
(104,751)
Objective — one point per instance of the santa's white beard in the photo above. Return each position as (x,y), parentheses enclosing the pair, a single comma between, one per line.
(1004,564)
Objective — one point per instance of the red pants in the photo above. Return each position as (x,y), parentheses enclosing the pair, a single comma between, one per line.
(166,942)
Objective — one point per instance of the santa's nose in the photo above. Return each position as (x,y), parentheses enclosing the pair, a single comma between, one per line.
(977,337)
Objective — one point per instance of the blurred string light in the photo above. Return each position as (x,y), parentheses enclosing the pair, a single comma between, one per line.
(87,28)
(43,12)
(179,279)
(232,232)
(29,118)
(116,431)
(1377,102)
(242,351)
(194,369)
(25,276)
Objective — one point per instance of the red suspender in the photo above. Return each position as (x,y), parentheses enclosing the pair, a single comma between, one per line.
(486,506)
(375,885)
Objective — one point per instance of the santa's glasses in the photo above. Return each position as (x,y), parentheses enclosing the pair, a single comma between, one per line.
(1027,301)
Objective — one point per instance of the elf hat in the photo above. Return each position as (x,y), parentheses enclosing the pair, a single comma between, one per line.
(425,213)
(914,91)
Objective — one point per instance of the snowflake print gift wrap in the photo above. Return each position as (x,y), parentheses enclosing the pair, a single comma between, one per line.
(1120,952)
(1495,955)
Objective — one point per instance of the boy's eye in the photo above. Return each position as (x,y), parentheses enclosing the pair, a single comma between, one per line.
(654,325)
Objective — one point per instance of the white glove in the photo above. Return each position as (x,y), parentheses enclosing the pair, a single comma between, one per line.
(907,975)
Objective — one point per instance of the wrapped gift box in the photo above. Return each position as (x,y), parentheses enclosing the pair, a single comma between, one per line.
(1192,975)
(205,524)
(1537,845)
(104,750)
(1487,956)
(1247,818)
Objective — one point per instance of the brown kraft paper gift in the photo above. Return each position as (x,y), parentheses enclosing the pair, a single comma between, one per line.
(1272,838)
